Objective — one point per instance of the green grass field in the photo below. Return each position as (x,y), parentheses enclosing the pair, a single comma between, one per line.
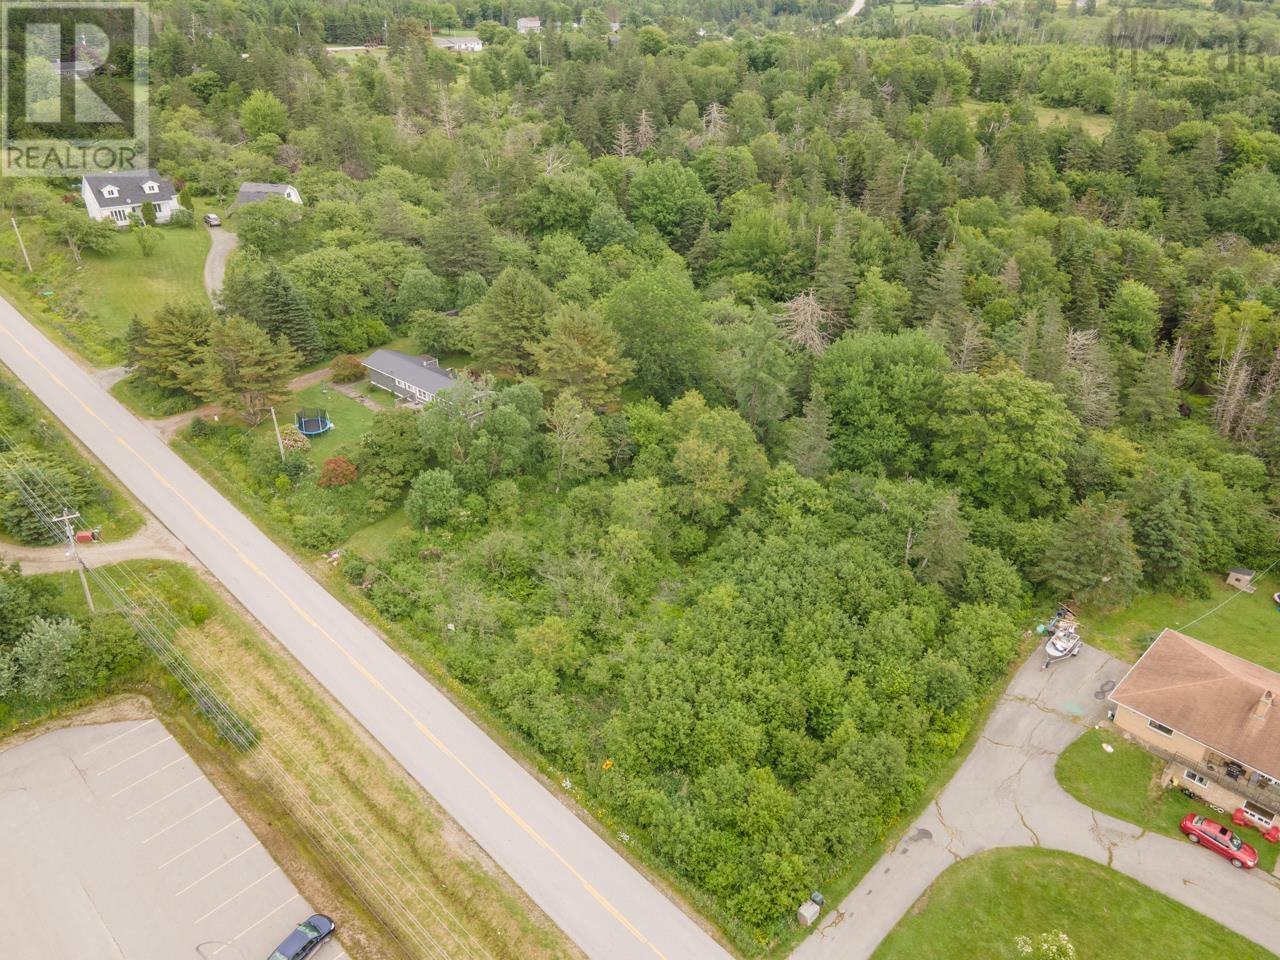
(349,418)
(1095,124)
(1246,624)
(977,907)
(1124,784)
(124,282)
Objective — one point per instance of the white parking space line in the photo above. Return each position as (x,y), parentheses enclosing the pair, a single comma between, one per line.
(164,830)
(179,856)
(270,873)
(119,736)
(172,793)
(120,763)
(224,863)
(257,923)
(178,759)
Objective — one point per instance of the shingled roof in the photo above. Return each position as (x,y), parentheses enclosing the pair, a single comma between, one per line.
(1208,695)
(129,184)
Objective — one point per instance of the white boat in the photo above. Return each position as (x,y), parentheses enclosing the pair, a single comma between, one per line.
(1064,636)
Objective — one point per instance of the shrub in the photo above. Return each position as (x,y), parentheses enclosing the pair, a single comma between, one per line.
(337,472)
(182,218)
(318,531)
(294,440)
(432,496)
(346,368)
(199,613)
(354,568)
(201,429)
(45,655)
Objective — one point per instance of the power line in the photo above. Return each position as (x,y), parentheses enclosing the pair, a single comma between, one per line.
(155,624)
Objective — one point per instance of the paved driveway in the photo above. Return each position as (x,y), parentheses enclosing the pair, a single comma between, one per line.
(1006,795)
(602,902)
(221,242)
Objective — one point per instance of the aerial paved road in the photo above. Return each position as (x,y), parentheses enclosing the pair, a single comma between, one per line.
(604,904)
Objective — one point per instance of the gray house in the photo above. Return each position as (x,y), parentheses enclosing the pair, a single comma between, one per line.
(417,379)
(253,192)
(118,196)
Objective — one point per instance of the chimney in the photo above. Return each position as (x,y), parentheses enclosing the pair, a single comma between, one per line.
(1264,704)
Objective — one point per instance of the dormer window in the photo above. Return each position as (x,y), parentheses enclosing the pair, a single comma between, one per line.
(151,187)
(110,192)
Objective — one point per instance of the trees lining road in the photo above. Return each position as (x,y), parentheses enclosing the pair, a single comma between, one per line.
(601,901)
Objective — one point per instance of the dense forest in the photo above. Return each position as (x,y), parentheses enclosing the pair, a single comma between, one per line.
(808,364)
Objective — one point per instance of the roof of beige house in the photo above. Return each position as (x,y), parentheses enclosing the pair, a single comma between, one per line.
(1208,695)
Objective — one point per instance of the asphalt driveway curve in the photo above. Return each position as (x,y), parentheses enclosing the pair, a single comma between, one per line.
(1006,794)
(591,891)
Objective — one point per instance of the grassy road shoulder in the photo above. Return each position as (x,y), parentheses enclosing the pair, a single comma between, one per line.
(358,834)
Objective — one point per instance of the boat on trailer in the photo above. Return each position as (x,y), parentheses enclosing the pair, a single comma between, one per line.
(1064,636)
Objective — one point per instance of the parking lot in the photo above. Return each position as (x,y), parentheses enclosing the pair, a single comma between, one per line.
(117,846)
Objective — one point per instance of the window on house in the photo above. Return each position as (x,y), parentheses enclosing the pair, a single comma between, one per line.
(110,192)
(1194,777)
(1160,728)
(150,187)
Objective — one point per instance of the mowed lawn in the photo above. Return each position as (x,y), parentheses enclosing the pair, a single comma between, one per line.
(350,419)
(977,907)
(1124,784)
(1246,624)
(123,282)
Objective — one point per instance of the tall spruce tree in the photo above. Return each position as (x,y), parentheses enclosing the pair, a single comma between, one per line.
(282,310)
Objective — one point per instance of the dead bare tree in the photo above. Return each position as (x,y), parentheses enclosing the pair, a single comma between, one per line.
(622,145)
(1232,392)
(1256,410)
(644,132)
(1178,362)
(806,323)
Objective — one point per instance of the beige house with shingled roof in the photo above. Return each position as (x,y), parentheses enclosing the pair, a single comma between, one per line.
(1211,715)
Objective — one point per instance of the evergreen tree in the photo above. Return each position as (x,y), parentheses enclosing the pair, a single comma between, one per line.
(1165,534)
(511,319)
(164,345)
(939,547)
(582,354)
(808,438)
(283,311)
(242,368)
(1152,398)
(1091,557)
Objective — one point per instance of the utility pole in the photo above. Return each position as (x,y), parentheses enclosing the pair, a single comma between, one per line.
(279,442)
(22,246)
(72,551)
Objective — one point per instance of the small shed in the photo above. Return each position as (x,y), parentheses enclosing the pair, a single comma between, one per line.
(1242,579)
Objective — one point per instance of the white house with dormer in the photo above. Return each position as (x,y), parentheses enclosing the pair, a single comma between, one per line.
(117,196)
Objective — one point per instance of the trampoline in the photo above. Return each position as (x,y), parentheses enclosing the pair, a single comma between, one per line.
(312,422)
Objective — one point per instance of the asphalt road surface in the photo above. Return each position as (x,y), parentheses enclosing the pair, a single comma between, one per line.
(600,901)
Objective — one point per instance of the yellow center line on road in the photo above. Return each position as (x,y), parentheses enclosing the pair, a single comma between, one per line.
(422,728)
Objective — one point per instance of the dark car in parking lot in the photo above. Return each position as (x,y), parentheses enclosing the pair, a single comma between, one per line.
(305,939)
